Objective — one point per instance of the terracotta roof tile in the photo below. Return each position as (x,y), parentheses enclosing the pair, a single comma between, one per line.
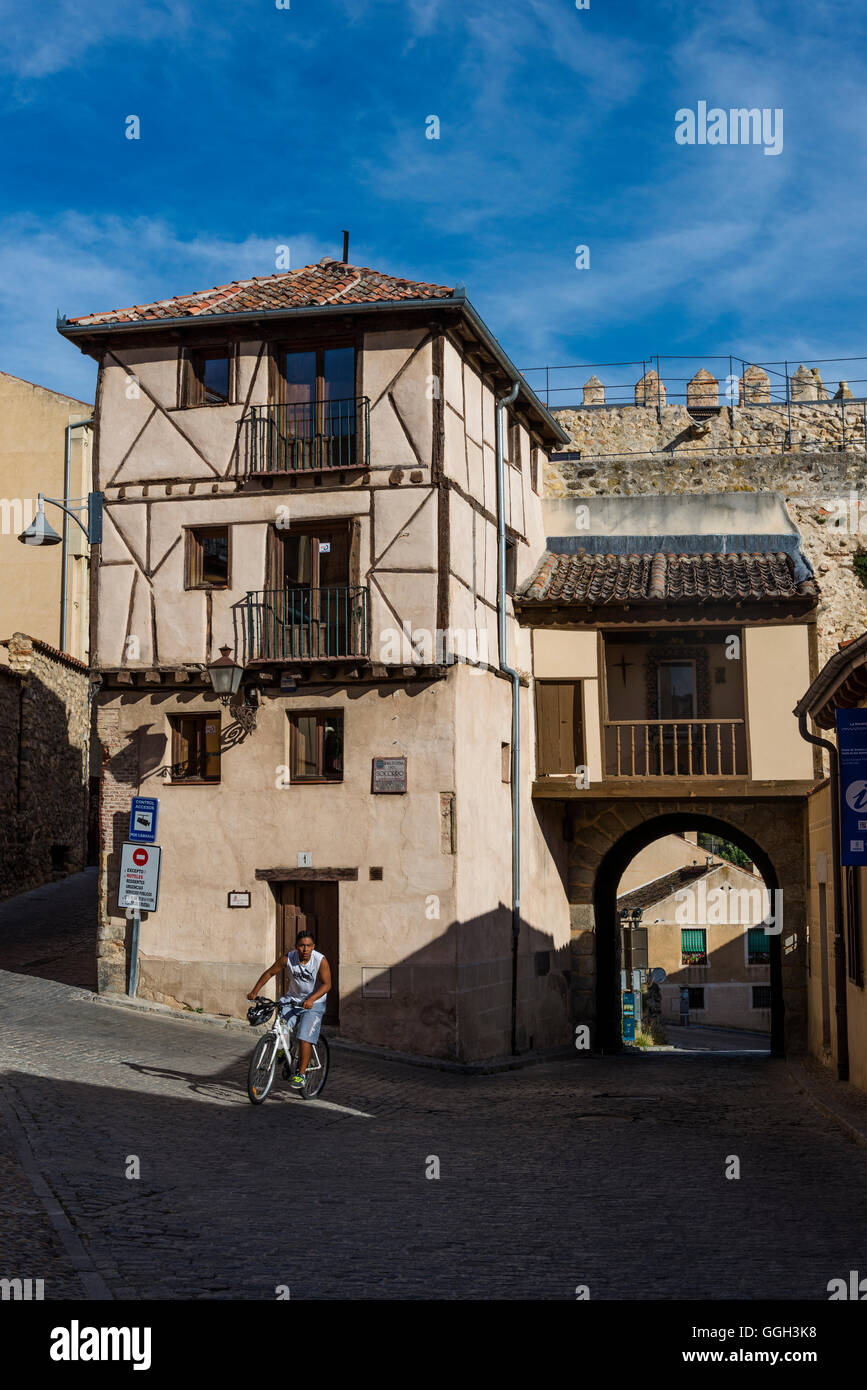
(660,888)
(589,579)
(329,282)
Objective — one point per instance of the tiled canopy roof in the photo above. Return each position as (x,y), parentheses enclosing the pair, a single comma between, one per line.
(329,282)
(663,887)
(590,579)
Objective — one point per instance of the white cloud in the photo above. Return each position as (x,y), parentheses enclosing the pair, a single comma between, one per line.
(82,264)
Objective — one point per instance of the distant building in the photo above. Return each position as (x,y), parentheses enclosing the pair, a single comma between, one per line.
(702,926)
(34,423)
(45,746)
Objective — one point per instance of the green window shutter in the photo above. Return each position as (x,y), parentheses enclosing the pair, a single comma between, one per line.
(693,939)
(758,942)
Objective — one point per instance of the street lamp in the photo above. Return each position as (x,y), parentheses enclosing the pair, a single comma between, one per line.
(41,532)
(225,681)
(225,676)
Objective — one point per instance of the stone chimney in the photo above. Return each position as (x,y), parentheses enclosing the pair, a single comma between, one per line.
(703,390)
(843,393)
(821,393)
(802,385)
(650,389)
(594,391)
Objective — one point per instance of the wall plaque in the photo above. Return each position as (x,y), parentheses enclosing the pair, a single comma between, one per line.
(239,898)
(388,776)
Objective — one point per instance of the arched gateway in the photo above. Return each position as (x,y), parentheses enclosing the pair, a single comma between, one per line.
(603,838)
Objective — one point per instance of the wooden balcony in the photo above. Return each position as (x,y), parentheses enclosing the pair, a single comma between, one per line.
(683,748)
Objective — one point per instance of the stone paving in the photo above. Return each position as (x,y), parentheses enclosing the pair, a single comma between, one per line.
(607,1172)
(51,931)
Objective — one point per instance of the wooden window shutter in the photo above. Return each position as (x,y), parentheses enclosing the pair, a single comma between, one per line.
(558,722)
(274,559)
(355,551)
(276,379)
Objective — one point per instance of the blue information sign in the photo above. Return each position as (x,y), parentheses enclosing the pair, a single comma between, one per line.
(629,1030)
(143,820)
(852,746)
(628,1003)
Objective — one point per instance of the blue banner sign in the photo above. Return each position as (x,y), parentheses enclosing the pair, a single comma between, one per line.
(852,747)
(628,1003)
(143,820)
(629,1030)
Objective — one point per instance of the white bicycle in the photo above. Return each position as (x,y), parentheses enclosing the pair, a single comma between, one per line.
(281,1037)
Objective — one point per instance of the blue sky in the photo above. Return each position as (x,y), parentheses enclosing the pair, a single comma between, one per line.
(263,127)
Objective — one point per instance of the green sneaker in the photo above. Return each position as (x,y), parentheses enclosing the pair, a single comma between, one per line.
(297,1082)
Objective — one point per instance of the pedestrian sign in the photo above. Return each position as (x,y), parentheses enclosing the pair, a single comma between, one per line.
(852,746)
(143,820)
(139,877)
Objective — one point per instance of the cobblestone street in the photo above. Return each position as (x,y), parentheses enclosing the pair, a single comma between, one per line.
(606,1172)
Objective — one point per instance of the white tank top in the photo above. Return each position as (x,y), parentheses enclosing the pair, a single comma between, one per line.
(301,977)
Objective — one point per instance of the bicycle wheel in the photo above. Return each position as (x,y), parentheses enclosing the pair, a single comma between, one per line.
(263,1065)
(317,1070)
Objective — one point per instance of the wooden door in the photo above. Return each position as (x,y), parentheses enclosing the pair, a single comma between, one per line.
(313,907)
(290,920)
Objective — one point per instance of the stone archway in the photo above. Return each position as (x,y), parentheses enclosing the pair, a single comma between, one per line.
(605,835)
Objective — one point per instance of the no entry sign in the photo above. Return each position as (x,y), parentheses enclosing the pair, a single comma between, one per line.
(139,877)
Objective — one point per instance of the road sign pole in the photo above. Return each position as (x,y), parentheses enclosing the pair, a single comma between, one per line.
(133,952)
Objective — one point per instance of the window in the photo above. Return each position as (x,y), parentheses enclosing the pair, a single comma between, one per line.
(676,690)
(315,391)
(534,468)
(316,747)
(207,378)
(208,557)
(758,946)
(559,728)
(853,927)
(195,747)
(511,567)
(696,997)
(693,946)
(761,996)
(513,442)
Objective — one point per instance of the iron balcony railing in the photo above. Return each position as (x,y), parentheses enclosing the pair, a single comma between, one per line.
(308,436)
(675,748)
(307,624)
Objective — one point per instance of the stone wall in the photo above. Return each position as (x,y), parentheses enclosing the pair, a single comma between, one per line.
(119,783)
(44,721)
(807,427)
(825,491)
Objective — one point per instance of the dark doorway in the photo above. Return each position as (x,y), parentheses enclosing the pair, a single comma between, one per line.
(311,907)
(608,875)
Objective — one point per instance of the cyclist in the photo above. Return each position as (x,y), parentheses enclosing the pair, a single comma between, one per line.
(309,980)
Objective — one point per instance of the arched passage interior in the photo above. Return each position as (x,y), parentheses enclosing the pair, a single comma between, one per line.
(606,882)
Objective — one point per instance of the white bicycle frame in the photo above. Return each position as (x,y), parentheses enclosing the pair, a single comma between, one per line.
(284,1035)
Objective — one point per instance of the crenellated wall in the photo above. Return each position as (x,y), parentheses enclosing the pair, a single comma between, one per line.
(633,449)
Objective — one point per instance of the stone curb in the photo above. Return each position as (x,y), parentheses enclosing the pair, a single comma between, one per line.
(149,1006)
(801,1077)
(496,1064)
